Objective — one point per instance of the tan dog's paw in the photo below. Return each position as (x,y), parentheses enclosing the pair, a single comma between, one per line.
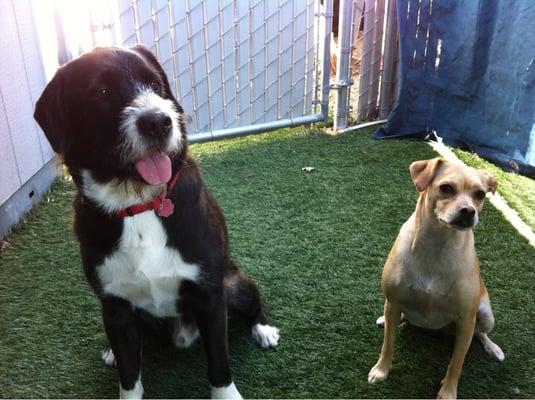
(378,373)
(447,392)
(493,350)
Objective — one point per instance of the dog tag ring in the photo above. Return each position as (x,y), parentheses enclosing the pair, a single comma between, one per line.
(166,208)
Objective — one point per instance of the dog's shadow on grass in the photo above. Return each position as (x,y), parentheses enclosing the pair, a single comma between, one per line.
(421,359)
(170,372)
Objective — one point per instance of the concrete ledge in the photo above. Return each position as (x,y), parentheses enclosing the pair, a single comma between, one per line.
(31,193)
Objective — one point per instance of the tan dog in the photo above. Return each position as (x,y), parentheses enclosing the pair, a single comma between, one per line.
(431,277)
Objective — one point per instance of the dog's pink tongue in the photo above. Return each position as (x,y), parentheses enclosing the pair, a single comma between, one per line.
(155,169)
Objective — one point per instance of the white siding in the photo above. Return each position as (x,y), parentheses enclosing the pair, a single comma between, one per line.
(9,177)
(24,150)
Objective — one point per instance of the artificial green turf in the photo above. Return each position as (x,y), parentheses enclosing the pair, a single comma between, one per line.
(517,190)
(314,242)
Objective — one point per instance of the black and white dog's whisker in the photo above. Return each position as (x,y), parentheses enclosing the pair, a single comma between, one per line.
(153,240)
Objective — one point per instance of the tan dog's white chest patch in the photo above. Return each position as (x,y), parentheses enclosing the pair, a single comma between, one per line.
(143,270)
(424,284)
(427,303)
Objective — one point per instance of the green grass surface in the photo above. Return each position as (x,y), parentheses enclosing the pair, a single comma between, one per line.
(517,190)
(314,242)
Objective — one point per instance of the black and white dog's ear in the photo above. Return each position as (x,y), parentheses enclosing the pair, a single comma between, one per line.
(151,59)
(52,114)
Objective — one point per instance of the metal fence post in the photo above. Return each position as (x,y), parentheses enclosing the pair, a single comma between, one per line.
(343,65)
(366,61)
(377,57)
(388,78)
(326,53)
(375,90)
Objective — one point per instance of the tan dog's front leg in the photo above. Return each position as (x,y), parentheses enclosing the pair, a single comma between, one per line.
(463,338)
(380,371)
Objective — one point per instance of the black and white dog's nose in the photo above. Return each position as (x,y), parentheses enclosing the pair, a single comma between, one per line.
(157,124)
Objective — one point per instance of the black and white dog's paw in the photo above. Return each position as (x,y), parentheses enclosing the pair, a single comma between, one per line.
(226,392)
(380,321)
(267,336)
(135,393)
(108,357)
(184,335)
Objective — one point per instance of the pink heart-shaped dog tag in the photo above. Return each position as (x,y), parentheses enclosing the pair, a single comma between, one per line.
(166,208)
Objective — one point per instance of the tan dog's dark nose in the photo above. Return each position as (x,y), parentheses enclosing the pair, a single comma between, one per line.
(468,211)
(465,217)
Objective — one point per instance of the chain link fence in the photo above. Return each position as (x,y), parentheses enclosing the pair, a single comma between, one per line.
(246,66)
(235,66)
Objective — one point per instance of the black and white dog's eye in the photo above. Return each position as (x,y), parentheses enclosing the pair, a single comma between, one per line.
(103,92)
(156,86)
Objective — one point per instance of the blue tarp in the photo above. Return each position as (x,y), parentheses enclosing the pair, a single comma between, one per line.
(467,71)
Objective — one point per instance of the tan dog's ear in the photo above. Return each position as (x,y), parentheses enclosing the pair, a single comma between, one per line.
(423,172)
(489,180)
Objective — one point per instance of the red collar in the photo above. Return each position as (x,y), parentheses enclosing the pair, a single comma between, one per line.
(163,206)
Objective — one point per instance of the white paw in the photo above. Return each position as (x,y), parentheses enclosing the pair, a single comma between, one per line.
(108,357)
(381,320)
(266,335)
(226,392)
(378,373)
(185,336)
(446,392)
(135,393)
(494,350)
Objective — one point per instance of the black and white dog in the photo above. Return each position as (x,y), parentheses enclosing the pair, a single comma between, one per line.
(152,238)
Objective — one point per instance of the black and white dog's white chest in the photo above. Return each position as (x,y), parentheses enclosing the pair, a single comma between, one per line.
(143,269)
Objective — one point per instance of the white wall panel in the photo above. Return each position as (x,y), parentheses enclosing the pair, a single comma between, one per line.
(17,97)
(21,82)
(9,176)
(35,73)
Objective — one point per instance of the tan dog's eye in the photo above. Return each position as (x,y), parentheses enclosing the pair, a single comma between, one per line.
(447,189)
(480,195)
